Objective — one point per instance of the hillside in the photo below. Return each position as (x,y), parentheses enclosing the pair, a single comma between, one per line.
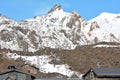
(79,60)
(67,30)
(59,45)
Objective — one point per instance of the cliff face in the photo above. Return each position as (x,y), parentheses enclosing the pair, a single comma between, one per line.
(56,29)
(60,42)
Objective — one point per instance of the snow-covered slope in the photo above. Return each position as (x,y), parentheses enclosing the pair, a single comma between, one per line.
(56,29)
(43,63)
(109,22)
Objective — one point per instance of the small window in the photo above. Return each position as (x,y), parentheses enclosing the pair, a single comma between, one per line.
(28,71)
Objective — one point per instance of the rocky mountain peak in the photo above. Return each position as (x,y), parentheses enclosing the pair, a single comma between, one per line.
(78,17)
(56,7)
(109,22)
(57,29)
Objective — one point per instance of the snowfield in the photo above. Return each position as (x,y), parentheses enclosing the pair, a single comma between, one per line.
(42,62)
(109,22)
(58,29)
(106,46)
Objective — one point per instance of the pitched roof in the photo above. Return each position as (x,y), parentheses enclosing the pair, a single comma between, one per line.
(17,72)
(74,75)
(105,72)
(14,71)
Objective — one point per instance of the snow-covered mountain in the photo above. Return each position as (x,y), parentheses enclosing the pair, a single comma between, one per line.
(109,22)
(56,29)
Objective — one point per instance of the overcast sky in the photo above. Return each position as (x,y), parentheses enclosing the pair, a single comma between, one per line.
(88,9)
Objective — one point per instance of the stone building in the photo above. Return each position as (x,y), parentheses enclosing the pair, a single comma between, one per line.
(30,69)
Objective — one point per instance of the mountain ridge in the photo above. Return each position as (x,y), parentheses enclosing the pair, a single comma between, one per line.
(108,22)
(64,31)
(58,42)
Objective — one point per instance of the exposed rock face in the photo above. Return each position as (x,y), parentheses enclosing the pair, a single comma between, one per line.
(109,22)
(57,29)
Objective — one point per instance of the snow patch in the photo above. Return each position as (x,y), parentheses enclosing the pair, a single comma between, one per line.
(106,46)
(42,62)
